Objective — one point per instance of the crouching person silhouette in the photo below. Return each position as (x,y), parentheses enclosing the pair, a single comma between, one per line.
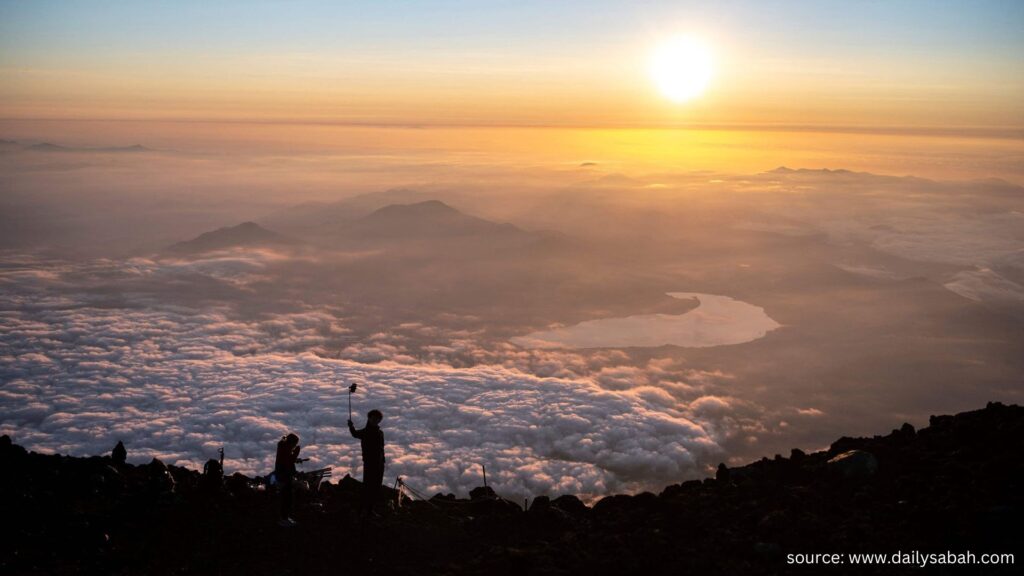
(372,440)
(284,470)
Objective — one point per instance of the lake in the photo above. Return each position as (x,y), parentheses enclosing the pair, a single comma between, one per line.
(716,321)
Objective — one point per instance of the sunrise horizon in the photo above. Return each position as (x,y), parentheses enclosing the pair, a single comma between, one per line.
(471,66)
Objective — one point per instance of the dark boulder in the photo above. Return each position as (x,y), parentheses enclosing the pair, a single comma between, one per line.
(482,492)
(854,465)
(722,474)
(570,505)
(119,454)
(540,504)
(159,477)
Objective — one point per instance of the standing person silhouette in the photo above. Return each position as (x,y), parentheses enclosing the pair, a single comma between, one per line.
(284,470)
(372,440)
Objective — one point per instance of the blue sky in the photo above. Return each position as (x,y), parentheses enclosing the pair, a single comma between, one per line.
(959,54)
(44,30)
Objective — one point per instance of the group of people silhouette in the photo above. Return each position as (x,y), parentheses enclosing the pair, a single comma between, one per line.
(371,439)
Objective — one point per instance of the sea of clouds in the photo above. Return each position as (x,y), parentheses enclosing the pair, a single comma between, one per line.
(147,351)
(81,369)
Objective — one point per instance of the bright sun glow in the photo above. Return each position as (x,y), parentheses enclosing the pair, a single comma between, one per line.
(682,68)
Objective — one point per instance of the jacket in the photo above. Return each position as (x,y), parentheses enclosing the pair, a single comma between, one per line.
(372,441)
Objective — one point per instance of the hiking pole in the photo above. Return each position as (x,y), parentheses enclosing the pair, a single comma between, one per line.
(351,389)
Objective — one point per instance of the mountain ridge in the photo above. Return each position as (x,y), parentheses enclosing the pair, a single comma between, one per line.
(952,486)
(430,218)
(244,235)
(51,147)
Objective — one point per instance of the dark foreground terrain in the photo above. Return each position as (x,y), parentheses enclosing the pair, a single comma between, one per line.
(955,486)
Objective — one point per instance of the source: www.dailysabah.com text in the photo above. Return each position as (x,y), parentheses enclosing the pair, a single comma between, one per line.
(900,558)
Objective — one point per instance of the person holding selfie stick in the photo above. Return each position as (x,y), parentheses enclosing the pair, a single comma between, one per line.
(372,441)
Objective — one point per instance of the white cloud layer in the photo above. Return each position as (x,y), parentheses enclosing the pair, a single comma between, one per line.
(985,285)
(177,383)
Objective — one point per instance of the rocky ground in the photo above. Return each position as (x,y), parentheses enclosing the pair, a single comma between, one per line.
(953,486)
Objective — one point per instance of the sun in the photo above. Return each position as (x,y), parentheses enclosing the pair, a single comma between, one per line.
(682,68)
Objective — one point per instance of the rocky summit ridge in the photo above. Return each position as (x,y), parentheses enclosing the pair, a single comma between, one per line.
(954,486)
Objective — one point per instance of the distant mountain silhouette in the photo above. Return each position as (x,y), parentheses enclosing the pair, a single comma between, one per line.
(364,204)
(365,222)
(47,147)
(316,218)
(787,170)
(132,148)
(245,235)
(425,220)
(50,147)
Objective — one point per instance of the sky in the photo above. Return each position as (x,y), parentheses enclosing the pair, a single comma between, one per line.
(870,64)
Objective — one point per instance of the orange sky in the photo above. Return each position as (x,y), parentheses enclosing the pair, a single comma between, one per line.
(619,94)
